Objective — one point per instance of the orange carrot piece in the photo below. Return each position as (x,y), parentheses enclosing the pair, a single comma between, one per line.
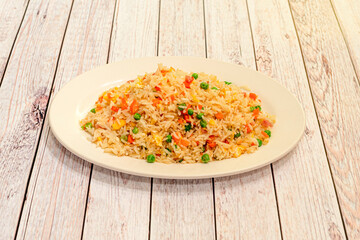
(134,107)
(219,115)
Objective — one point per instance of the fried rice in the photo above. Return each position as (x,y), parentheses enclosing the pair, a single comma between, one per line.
(171,116)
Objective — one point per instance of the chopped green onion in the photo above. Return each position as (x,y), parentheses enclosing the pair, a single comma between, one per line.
(190,111)
(124,137)
(195,75)
(181,106)
(187,127)
(168,149)
(205,158)
(237,135)
(227,83)
(168,138)
(181,160)
(199,116)
(252,108)
(204,85)
(135,130)
(215,88)
(268,132)
(150,158)
(203,149)
(259,142)
(88,125)
(203,123)
(137,116)
(175,146)
(93,110)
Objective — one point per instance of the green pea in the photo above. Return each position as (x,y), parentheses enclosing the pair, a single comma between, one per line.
(168,138)
(259,142)
(227,83)
(150,158)
(190,111)
(215,88)
(199,116)
(137,116)
(88,125)
(195,75)
(124,137)
(204,85)
(135,130)
(237,135)
(268,132)
(181,106)
(187,127)
(203,123)
(93,110)
(205,158)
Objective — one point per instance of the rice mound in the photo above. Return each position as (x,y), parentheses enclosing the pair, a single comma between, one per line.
(227,121)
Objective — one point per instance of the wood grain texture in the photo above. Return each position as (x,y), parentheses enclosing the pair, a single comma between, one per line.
(58,187)
(24,95)
(347,13)
(11,14)
(306,196)
(182,209)
(239,199)
(336,94)
(119,204)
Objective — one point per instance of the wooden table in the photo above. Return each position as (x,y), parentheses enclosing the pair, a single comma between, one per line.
(311,46)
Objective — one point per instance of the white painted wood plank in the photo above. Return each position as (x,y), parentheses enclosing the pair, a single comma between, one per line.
(58,187)
(336,93)
(347,13)
(241,199)
(182,209)
(306,195)
(11,14)
(23,96)
(119,204)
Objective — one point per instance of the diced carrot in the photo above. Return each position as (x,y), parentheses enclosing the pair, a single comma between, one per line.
(98,108)
(100,99)
(244,94)
(184,142)
(266,123)
(188,81)
(187,118)
(109,95)
(264,134)
(197,143)
(181,120)
(172,97)
(134,107)
(158,89)
(124,104)
(156,101)
(115,109)
(252,96)
(248,129)
(256,112)
(210,142)
(131,81)
(164,72)
(219,115)
(252,144)
(200,106)
(176,136)
(130,139)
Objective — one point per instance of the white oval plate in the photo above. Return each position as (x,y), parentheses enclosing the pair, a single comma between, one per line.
(77,97)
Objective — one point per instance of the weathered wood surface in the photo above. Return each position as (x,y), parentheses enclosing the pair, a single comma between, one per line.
(58,187)
(238,197)
(305,192)
(11,15)
(347,13)
(66,198)
(119,204)
(336,94)
(182,209)
(24,95)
